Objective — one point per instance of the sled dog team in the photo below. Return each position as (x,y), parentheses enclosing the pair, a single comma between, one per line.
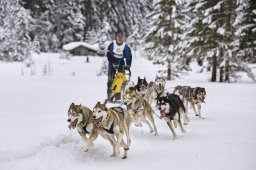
(114,123)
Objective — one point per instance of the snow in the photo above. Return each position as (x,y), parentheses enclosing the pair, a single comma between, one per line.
(72,45)
(221,31)
(34,132)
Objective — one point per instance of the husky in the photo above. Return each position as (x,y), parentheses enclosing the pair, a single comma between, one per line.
(118,97)
(80,118)
(125,88)
(194,96)
(115,123)
(171,108)
(141,86)
(140,110)
(155,90)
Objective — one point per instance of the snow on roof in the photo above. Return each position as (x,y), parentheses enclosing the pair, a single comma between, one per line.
(73,45)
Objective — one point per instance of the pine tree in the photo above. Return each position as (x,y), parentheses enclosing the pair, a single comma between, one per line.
(15,42)
(79,20)
(246,30)
(212,38)
(165,37)
(57,22)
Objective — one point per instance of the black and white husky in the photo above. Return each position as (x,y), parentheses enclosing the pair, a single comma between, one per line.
(194,96)
(141,86)
(172,109)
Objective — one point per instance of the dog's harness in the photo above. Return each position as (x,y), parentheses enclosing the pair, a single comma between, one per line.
(111,129)
(85,131)
(122,110)
(170,115)
(85,124)
(139,108)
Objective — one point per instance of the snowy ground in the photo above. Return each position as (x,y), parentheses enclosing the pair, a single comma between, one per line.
(34,133)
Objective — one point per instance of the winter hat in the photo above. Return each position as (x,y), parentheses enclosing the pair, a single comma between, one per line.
(120,33)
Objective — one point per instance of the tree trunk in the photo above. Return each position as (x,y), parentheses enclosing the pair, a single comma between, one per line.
(227,71)
(214,69)
(221,74)
(221,67)
(169,71)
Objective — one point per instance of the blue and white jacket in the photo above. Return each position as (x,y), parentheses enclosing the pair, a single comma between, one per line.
(116,55)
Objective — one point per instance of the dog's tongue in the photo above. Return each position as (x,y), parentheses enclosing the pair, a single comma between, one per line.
(129,106)
(202,100)
(162,114)
(73,124)
(97,121)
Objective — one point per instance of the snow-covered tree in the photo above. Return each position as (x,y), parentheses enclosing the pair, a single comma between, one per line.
(246,30)
(121,15)
(212,38)
(15,42)
(59,21)
(165,37)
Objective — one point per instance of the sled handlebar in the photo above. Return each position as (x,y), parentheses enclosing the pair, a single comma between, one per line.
(129,72)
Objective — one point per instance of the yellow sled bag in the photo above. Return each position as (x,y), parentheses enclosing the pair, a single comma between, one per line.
(118,82)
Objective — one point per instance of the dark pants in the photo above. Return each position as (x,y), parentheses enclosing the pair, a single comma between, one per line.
(111,76)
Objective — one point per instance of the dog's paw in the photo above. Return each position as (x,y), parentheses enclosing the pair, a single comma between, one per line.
(124,157)
(86,150)
(156,134)
(113,155)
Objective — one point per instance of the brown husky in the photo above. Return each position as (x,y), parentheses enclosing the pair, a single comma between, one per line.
(115,122)
(80,118)
(140,109)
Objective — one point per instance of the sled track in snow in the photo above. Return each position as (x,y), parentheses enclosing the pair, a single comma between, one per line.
(63,144)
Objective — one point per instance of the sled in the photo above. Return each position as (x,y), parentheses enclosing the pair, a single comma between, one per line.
(117,85)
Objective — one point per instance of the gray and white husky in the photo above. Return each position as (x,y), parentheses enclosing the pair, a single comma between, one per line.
(115,124)
(155,89)
(194,96)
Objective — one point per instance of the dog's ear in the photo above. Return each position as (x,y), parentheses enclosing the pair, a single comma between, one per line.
(72,104)
(156,77)
(132,89)
(138,78)
(167,95)
(105,101)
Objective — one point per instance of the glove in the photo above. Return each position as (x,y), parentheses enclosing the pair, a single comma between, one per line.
(127,67)
(115,66)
